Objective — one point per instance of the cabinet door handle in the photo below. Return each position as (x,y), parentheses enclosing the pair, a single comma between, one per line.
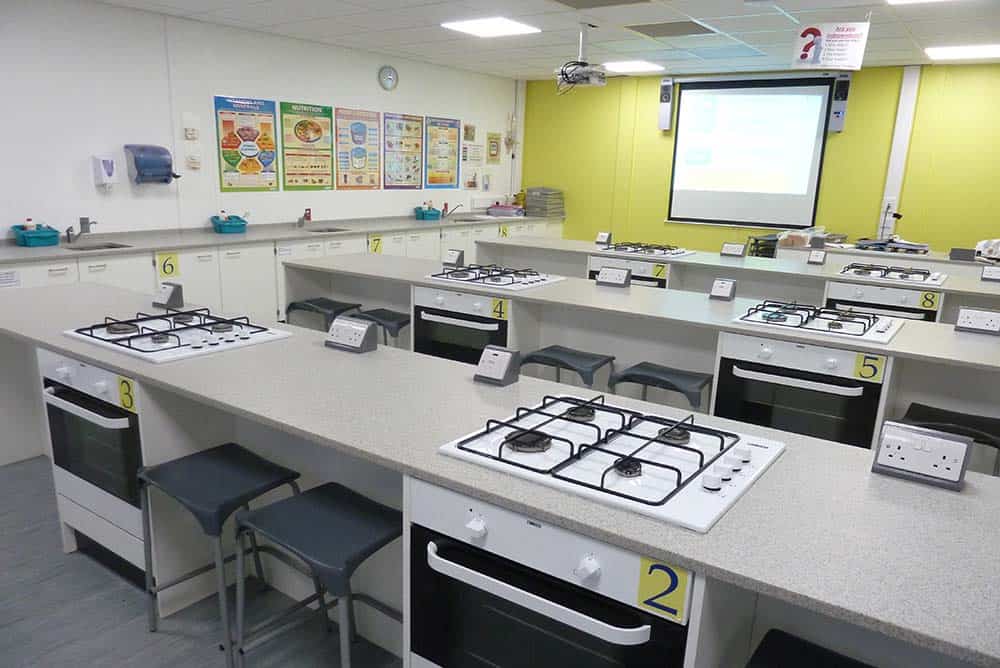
(233,253)
(313,246)
(204,258)
(96,267)
(58,271)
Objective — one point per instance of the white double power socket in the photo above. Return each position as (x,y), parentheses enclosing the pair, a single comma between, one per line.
(973,320)
(922,454)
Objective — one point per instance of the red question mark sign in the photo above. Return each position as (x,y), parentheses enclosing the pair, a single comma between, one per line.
(809,32)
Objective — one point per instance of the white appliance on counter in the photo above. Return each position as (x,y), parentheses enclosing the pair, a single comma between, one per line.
(495,277)
(893,274)
(836,323)
(644,272)
(892,302)
(632,249)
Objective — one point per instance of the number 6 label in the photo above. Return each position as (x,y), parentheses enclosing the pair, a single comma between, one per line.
(663,590)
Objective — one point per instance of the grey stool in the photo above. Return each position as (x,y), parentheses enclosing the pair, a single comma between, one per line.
(584,363)
(211,484)
(391,322)
(332,530)
(983,430)
(688,383)
(328,308)
(783,650)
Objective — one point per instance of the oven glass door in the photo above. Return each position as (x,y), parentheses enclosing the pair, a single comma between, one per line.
(837,409)
(892,311)
(456,336)
(471,608)
(94,440)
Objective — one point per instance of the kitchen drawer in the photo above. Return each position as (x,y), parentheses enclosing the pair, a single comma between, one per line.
(130,272)
(346,246)
(387,244)
(40,274)
(197,270)
(425,244)
(249,281)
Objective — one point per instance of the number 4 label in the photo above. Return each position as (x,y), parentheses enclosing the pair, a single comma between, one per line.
(500,309)
(664,590)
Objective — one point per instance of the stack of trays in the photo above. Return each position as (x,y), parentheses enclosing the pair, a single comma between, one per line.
(545,203)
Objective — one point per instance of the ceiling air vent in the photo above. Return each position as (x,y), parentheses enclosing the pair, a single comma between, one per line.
(671,29)
(593,4)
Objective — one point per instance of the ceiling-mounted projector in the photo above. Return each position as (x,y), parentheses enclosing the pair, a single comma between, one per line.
(579,72)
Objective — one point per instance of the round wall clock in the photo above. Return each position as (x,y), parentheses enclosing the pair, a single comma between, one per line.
(388,77)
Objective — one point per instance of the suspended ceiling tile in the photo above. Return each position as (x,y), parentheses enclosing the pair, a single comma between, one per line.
(726,52)
(752,23)
(698,41)
(274,12)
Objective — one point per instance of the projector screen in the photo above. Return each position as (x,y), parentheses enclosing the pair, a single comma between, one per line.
(749,152)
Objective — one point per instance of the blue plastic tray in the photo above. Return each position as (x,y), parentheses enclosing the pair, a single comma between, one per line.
(231,225)
(47,236)
(427,214)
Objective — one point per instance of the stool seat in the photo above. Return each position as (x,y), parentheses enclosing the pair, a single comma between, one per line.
(213,483)
(783,650)
(330,527)
(688,383)
(328,308)
(584,363)
(392,321)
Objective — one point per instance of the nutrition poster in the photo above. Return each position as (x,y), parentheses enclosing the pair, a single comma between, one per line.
(247,147)
(358,142)
(404,151)
(493,148)
(306,146)
(441,150)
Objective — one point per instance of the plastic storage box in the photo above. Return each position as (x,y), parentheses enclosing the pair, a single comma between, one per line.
(427,214)
(47,236)
(230,225)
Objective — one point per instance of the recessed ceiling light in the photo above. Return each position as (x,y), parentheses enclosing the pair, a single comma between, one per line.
(632,67)
(492,27)
(972,52)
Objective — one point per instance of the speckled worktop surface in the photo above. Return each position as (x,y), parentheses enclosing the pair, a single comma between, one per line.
(818,530)
(931,342)
(177,239)
(960,285)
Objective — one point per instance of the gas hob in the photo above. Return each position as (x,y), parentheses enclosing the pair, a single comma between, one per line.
(653,251)
(176,335)
(891,274)
(679,472)
(495,276)
(835,322)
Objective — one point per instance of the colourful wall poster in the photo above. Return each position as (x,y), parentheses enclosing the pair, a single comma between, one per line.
(306,146)
(404,151)
(493,142)
(358,140)
(247,147)
(441,151)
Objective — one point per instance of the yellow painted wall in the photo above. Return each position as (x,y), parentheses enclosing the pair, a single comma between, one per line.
(601,146)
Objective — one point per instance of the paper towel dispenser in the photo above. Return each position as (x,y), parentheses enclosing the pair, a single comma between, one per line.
(150,164)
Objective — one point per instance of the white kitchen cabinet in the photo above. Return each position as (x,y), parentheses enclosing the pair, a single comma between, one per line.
(554,230)
(456,238)
(40,274)
(346,246)
(131,272)
(425,244)
(249,283)
(392,243)
(197,270)
(480,233)
(292,250)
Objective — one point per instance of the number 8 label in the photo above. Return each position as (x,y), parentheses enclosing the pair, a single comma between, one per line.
(663,589)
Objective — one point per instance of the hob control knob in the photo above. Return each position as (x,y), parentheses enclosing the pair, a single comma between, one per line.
(743,452)
(830,363)
(733,462)
(64,373)
(711,482)
(724,472)
(766,352)
(589,567)
(101,387)
(477,528)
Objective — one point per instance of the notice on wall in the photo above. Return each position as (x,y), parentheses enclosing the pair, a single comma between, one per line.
(404,151)
(831,46)
(493,142)
(247,146)
(358,142)
(441,146)
(472,165)
(306,146)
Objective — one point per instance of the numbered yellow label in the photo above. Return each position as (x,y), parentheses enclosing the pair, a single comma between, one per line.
(869,367)
(168,265)
(930,300)
(500,309)
(504,231)
(375,244)
(663,590)
(659,270)
(126,393)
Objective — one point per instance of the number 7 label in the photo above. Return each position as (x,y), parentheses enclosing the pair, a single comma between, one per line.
(664,590)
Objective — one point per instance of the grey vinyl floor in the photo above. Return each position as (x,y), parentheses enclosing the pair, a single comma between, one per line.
(68,610)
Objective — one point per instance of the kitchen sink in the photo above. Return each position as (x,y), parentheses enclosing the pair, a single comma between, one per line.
(94,247)
(471,219)
(329,229)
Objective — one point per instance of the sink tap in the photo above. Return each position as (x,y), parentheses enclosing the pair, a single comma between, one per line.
(451,210)
(85,225)
(306,217)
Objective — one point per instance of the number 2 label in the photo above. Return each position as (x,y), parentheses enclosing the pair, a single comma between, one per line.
(663,589)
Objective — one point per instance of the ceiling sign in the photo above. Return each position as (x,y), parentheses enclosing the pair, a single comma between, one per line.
(830,46)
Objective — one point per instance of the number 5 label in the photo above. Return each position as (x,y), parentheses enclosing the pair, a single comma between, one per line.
(869,367)
(664,590)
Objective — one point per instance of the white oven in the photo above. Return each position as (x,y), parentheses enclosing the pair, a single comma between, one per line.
(908,303)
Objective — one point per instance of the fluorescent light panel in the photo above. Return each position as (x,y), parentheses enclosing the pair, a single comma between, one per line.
(632,67)
(496,26)
(970,52)
(914,2)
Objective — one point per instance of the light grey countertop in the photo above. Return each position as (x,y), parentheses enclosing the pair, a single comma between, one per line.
(179,239)
(818,529)
(927,341)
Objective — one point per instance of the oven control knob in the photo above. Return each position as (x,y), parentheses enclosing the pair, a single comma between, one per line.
(64,374)
(588,568)
(477,306)
(724,472)
(859,293)
(743,452)
(904,300)
(711,482)
(766,352)
(830,363)
(477,528)
(101,387)
(733,462)
(439,300)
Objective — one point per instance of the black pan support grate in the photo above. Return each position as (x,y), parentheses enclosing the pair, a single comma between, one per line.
(203,320)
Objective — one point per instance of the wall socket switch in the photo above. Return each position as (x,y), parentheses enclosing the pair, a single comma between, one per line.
(974,320)
(924,455)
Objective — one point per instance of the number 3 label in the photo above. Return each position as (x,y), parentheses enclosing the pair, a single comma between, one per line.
(126,393)
(869,367)
(663,589)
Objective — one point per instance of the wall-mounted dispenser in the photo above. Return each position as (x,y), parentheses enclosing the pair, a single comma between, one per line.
(150,164)
(105,171)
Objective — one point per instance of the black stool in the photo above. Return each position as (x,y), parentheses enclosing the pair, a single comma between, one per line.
(584,363)
(333,531)
(328,308)
(688,383)
(983,430)
(211,484)
(391,322)
(783,650)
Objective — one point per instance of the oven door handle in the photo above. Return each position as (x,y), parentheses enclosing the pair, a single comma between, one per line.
(458,322)
(647,280)
(81,412)
(615,635)
(816,386)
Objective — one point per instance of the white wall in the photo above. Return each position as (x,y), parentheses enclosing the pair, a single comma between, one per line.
(81,78)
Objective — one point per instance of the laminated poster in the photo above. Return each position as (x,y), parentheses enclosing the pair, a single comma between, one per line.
(306,146)
(358,140)
(404,152)
(247,147)
(441,146)
(493,141)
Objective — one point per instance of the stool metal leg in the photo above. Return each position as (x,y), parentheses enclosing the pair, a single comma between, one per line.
(323,611)
(354,621)
(645,392)
(344,621)
(147,547)
(220,577)
(558,375)
(240,595)
(258,566)
(385,336)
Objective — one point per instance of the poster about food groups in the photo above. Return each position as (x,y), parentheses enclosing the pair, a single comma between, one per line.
(358,142)
(441,146)
(306,146)
(404,151)
(247,146)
